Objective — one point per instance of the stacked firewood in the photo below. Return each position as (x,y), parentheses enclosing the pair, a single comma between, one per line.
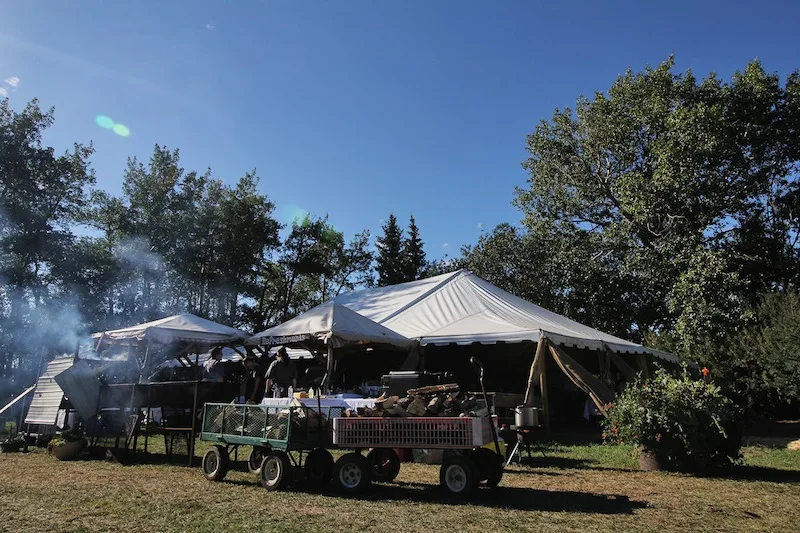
(435,400)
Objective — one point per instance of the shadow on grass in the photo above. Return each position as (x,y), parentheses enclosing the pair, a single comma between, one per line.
(522,499)
(757,473)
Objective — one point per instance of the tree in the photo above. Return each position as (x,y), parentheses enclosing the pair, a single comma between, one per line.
(41,195)
(674,181)
(413,254)
(390,266)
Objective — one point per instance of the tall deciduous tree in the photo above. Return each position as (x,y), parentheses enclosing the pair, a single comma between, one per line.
(390,264)
(41,195)
(681,184)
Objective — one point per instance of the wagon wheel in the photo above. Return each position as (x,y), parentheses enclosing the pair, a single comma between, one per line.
(489,466)
(255,459)
(458,477)
(276,471)
(352,473)
(384,464)
(319,467)
(216,462)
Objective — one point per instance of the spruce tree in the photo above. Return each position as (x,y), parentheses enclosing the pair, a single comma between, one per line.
(413,253)
(390,254)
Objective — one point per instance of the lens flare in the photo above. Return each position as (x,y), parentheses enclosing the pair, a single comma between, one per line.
(104,122)
(121,130)
(293,213)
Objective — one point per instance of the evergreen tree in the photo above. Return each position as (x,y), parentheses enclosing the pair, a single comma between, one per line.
(390,254)
(413,253)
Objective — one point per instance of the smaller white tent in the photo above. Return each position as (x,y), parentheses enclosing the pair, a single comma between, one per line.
(178,328)
(333,325)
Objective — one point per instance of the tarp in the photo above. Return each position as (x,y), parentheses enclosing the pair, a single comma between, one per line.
(333,324)
(462,308)
(48,394)
(178,328)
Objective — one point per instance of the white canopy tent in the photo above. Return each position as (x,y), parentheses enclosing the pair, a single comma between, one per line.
(333,326)
(462,308)
(185,327)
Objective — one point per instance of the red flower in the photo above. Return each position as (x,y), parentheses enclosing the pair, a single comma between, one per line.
(658,437)
(705,371)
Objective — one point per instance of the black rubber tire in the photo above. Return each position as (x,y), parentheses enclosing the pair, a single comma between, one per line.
(216,463)
(255,459)
(276,471)
(319,467)
(489,466)
(352,473)
(458,477)
(384,464)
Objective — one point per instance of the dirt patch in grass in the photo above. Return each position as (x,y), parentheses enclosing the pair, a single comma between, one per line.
(578,488)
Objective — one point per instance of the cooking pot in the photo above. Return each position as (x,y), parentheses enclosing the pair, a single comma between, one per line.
(526,417)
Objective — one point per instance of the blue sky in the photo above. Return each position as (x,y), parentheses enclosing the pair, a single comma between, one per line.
(358,108)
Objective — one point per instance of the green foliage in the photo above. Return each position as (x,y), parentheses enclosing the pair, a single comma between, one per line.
(389,262)
(413,254)
(674,195)
(688,424)
(760,363)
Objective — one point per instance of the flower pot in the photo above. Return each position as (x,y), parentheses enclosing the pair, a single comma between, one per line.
(68,450)
(649,462)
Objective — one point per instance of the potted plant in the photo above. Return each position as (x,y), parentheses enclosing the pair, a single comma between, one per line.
(68,444)
(676,423)
(12,444)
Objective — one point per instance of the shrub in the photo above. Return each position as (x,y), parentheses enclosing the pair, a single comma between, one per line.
(67,435)
(688,424)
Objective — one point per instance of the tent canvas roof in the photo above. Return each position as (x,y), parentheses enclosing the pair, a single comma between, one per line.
(462,308)
(330,323)
(48,395)
(178,328)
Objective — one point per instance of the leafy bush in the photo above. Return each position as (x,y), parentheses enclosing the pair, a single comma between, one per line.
(67,435)
(688,424)
(12,444)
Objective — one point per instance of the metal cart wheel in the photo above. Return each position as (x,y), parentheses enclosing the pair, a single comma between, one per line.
(275,471)
(319,467)
(352,473)
(489,466)
(255,459)
(216,462)
(458,477)
(384,464)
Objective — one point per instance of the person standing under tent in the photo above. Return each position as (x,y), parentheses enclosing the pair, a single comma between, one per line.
(253,383)
(213,369)
(283,374)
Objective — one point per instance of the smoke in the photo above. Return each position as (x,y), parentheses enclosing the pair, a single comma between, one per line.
(137,253)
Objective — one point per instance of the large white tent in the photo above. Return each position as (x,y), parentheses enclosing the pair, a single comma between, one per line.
(332,325)
(178,328)
(462,308)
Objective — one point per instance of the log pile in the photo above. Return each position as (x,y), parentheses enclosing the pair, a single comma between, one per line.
(435,400)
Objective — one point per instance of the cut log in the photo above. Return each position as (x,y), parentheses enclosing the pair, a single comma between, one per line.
(435,405)
(432,389)
(417,407)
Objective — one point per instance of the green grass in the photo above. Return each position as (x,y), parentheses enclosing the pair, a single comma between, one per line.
(577,488)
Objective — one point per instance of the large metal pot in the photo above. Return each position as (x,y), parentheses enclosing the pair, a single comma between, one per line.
(526,417)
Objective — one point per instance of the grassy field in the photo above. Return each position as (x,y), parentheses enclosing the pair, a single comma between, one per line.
(578,487)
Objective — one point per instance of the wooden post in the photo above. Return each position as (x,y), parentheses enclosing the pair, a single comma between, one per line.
(543,387)
(535,364)
(194,408)
(143,372)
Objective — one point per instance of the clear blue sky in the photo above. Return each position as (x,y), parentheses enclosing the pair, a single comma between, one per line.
(359,108)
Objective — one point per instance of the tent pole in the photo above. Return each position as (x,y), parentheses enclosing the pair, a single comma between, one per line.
(329,374)
(543,387)
(541,346)
(194,407)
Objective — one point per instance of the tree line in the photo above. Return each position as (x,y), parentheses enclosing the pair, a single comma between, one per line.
(75,259)
(665,210)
